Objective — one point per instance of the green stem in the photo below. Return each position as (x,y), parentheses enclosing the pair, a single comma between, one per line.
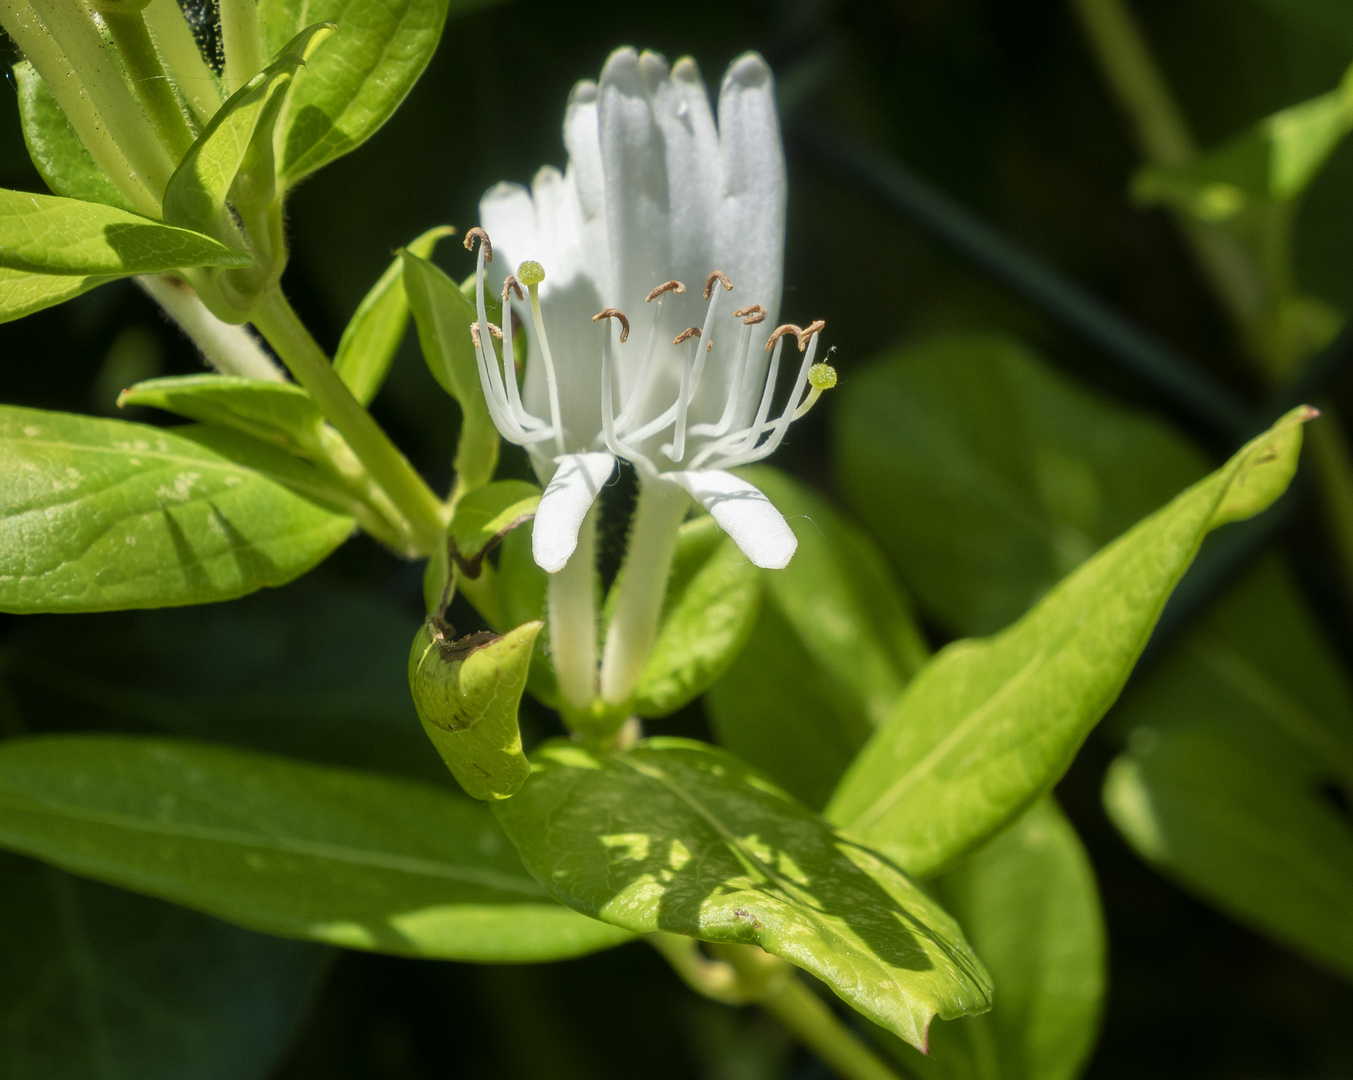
(1163,137)
(178,49)
(230,349)
(149,80)
(745,974)
(284,331)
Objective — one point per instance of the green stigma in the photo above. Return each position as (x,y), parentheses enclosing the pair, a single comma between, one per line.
(530,273)
(822,376)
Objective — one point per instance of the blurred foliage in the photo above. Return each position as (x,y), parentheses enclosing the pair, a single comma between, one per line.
(1001,106)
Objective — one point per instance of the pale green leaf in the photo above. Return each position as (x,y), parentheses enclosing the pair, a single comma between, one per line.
(485,515)
(292,849)
(102,514)
(276,412)
(376,329)
(680,836)
(22,293)
(104,983)
(1240,744)
(48,234)
(989,726)
(378,52)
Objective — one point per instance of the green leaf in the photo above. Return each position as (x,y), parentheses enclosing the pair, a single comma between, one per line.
(521,587)
(1240,743)
(1273,162)
(23,293)
(374,333)
(989,726)
(831,651)
(443,317)
(986,478)
(310,671)
(467,693)
(47,234)
(713,595)
(485,515)
(1030,907)
(100,982)
(680,836)
(206,177)
(60,157)
(297,850)
(1332,20)
(102,514)
(275,412)
(352,88)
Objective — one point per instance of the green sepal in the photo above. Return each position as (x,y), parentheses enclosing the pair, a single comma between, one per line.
(466,693)
(373,334)
(57,152)
(233,162)
(987,727)
(443,317)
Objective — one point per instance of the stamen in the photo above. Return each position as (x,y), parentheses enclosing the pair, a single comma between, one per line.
(754,314)
(474,332)
(781,331)
(510,286)
(734,388)
(751,452)
(806,334)
(524,418)
(667,286)
(615,313)
(479,234)
(689,332)
(720,276)
(763,409)
(494,395)
(531,274)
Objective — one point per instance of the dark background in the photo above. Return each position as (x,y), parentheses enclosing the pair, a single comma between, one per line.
(998,103)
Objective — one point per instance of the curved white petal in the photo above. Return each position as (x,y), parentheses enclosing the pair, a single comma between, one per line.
(568,496)
(743,513)
(509,217)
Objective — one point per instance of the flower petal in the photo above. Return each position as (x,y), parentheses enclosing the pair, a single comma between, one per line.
(743,513)
(576,484)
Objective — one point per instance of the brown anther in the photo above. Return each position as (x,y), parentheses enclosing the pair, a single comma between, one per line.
(719,276)
(781,331)
(808,331)
(615,313)
(685,335)
(479,234)
(495,331)
(754,314)
(666,286)
(474,335)
(512,285)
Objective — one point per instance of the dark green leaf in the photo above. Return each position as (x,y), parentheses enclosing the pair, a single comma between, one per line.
(103,983)
(1273,162)
(713,595)
(308,671)
(374,333)
(297,850)
(680,836)
(102,514)
(1241,748)
(467,693)
(443,317)
(986,478)
(352,88)
(1029,904)
(989,726)
(57,152)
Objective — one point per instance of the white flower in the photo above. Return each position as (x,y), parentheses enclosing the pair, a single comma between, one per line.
(623,265)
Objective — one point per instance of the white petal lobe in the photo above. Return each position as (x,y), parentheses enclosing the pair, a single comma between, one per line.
(576,484)
(744,513)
